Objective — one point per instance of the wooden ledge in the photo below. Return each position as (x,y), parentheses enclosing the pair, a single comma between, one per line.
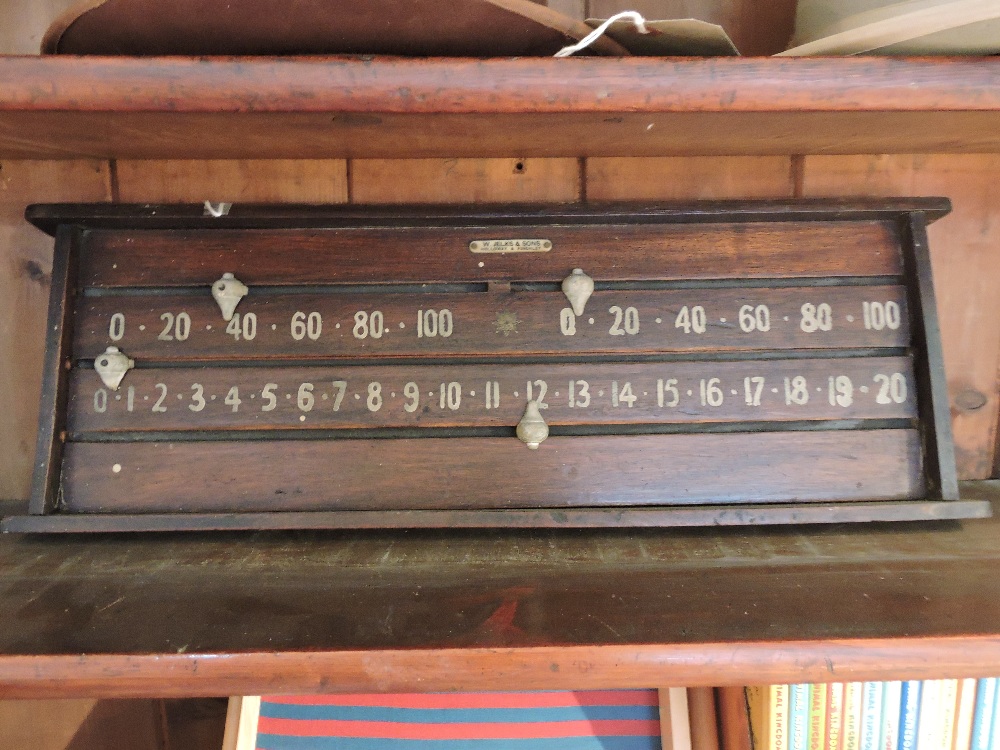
(524,85)
(60,107)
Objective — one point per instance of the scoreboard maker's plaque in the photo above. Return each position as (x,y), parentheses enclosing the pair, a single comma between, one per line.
(292,367)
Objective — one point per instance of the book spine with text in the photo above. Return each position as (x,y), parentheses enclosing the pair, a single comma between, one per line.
(818,707)
(909,713)
(891,697)
(798,733)
(835,718)
(779,717)
(871,716)
(949,708)
(853,706)
(982,722)
(965,712)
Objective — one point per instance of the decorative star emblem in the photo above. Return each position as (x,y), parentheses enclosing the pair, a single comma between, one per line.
(506,322)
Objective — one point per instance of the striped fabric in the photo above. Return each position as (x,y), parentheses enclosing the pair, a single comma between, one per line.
(559,720)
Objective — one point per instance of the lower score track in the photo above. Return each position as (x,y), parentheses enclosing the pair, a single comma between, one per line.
(249,398)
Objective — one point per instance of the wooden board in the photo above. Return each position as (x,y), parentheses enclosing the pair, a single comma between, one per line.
(254,398)
(465,180)
(487,473)
(388,324)
(24,296)
(697,344)
(421,254)
(965,257)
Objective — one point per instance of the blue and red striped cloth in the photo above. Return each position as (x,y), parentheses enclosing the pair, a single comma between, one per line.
(550,720)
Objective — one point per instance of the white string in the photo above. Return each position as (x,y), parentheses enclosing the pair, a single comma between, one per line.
(222,210)
(631,15)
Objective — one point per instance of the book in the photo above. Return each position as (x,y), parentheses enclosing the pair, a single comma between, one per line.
(929,730)
(965,714)
(891,697)
(835,716)
(909,713)
(769,716)
(734,718)
(798,733)
(853,709)
(982,723)
(817,725)
(948,707)
(675,720)
(871,716)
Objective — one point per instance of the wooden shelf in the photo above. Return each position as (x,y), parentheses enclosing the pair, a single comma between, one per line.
(62,107)
(230,614)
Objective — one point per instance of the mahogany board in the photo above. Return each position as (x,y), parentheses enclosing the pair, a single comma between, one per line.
(356,396)
(386,324)
(772,356)
(467,473)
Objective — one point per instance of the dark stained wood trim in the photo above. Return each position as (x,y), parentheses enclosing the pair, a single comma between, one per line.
(525,85)
(55,373)
(477,669)
(47,216)
(756,515)
(932,384)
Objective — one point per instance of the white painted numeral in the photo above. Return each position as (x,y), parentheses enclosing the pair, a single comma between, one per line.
(130,398)
(197,398)
(892,388)
(451,395)
(879,315)
(567,321)
(711,393)
(100,401)
(492,394)
(796,391)
(243,325)
(117,328)
(307,325)
(543,388)
(233,398)
(268,394)
(340,386)
(752,388)
(816,317)
(431,323)
(374,396)
(158,406)
(629,316)
(693,319)
(667,387)
(841,391)
(178,326)
(412,391)
(755,318)
(366,324)
(579,394)
(623,396)
(305,399)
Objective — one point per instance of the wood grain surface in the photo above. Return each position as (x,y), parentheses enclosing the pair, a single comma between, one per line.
(965,251)
(381,611)
(339,85)
(422,254)
(491,472)
(381,324)
(691,393)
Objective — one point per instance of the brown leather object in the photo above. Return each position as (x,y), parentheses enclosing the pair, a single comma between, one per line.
(464,28)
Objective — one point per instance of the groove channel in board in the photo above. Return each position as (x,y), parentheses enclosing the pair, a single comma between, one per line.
(212,398)
(308,325)
(123,258)
(492,472)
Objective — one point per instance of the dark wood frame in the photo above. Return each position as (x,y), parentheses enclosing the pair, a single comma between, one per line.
(942,500)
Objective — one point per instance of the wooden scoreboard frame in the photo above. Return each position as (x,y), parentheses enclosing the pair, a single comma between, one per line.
(831,449)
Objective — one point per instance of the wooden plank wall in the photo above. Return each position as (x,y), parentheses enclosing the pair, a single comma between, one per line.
(965,245)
